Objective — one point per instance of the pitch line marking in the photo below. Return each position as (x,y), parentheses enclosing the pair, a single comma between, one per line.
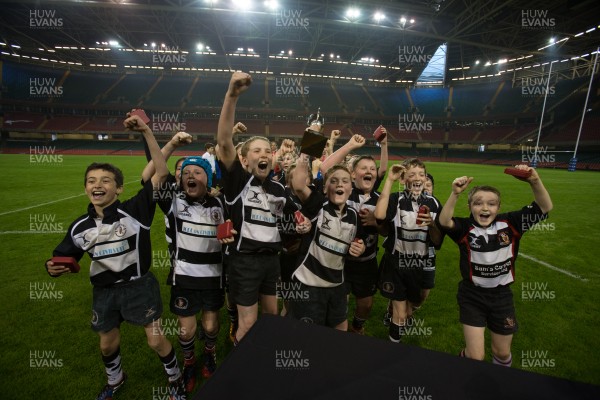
(552,267)
(49,202)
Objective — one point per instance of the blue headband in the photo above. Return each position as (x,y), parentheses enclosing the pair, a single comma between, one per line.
(202,163)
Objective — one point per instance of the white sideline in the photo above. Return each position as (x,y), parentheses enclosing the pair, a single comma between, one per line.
(50,202)
(552,267)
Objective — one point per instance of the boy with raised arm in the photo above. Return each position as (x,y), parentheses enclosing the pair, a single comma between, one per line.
(489,243)
(256,204)
(116,236)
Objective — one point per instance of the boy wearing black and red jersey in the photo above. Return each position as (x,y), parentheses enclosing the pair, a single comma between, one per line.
(489,244)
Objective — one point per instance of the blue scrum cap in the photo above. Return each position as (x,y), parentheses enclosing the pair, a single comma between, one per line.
(202,163)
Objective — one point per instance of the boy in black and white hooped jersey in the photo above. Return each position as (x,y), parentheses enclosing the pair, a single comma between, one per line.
(489,245)
(256,204)
(116,235)
(196,261)
(330,241)
(410,236)
(361,274)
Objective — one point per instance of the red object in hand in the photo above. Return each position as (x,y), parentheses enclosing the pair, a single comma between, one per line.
(298,217)
(224,230)
(356,240)
(379,134)
(517,172)
(68,262)
(423,209)
(140,113)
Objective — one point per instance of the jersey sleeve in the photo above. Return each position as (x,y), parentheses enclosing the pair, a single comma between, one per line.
(167,192)
(142,205)
(461,228)
(525,218)
(234,180)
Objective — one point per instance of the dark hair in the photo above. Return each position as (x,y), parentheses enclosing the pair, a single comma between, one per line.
(208,146)
(413,162)
(430,177)
(106,167)
(179,160)
(482,188)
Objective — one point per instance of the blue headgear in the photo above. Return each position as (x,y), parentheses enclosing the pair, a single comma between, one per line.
(202,163)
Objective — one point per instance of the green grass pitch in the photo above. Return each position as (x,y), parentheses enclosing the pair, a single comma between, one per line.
(49,349)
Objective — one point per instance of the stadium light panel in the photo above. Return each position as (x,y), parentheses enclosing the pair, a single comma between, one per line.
(378,16)
(271,4)
(353,13)
(242,5)
(402,20)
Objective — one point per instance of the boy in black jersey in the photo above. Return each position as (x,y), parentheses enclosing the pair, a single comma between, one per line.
(410,235)
(117,238)
(320,267)
(489,245)
(256,204)
(361,273)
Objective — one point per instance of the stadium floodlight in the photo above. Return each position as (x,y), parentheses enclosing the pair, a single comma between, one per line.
(378,16)
(476,62)
(412,21)
(242,5)
(402,20)
(200,46)
(290,52)
(153,44)
(551,40)
(113,43)
(271,4)
(353,13)
(487,64)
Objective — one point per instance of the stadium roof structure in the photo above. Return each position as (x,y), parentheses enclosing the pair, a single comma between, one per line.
(485,38)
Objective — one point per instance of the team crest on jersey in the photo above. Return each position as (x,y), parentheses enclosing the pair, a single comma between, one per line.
(181,303)
(254,198)
(94,317)
(387,287)
(185,211)
(325,223)
(503,239)
(120,230)
(216,215)
(509,322)
(473,242)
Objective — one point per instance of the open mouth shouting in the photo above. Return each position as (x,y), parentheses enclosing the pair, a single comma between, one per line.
(98,194)
(263,165)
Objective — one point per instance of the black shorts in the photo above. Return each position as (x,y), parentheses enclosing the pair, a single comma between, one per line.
(399,284)
(493,307)
(137,302)
(321,306)
(251,275)
(361,277)
(187,302)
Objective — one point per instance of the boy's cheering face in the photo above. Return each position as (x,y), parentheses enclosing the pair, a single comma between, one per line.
(414,179)
(194,181)
(365,174)
(484,207)
(338,187)
(259,159)
(101,188)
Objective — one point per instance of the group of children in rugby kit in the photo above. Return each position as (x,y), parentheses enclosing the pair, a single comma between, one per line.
(290,234)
